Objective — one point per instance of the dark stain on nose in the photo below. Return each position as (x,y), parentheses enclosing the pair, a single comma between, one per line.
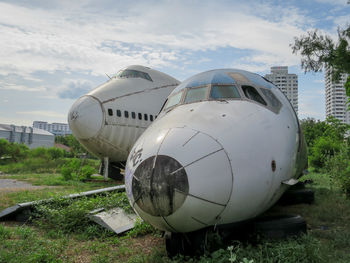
(160,185)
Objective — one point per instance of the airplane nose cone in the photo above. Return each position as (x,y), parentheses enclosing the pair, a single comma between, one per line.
(85,117)
(160,186)
(178,179)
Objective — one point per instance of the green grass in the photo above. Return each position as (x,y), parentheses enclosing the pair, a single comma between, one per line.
(56,186)
(59,236)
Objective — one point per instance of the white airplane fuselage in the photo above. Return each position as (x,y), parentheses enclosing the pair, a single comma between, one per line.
(108,120)
(215,156)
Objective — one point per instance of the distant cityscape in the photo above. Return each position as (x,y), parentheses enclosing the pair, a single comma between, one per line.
(42,133)
(55,128)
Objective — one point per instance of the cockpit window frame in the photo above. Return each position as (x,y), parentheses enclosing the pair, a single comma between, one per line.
(239,86)
(136,74)
(197,87)
(223,99)
(264,103)
(166,107)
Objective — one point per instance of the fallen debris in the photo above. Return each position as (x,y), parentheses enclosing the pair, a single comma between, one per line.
(116,219)
(21,212)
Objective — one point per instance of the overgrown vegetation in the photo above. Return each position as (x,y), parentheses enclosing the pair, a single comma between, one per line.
(18,158)
(70,215)
(61,232)
(329,149)
(318,50)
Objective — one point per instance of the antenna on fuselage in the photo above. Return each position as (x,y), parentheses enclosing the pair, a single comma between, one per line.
(108,76)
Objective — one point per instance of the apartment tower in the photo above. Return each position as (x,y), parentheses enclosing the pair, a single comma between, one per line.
(336,99)
(287,83)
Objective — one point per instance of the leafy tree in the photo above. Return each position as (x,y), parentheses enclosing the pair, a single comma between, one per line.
(4,147)
(319,50)
(72,142)
(312,130)
(324,139)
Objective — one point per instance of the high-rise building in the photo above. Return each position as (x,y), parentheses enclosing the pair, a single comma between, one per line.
(55,128)
(287,83)
(336,99)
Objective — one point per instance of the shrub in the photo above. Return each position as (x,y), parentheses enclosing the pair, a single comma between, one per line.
(14,151)
(55,153)
(338,168)
(323,149)
(70,169)
(39,152)
(86,172)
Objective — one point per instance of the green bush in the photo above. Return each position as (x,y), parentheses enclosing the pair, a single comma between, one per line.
(55,153)
(41,152)
(86,172)
(70,169)
(13,151)
(338,168)
(323,149)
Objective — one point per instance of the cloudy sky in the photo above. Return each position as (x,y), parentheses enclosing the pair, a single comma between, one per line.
(52,52)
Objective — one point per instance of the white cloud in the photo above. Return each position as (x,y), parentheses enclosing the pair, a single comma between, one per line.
(80,40)
(13,86)
(43,114)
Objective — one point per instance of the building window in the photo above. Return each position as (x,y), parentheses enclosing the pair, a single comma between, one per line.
(133,115)
(126,114)
(110,112)
(140,116)
(151,117)
(145,116)
(119,113)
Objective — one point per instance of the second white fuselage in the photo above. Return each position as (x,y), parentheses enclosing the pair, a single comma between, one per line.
(109,119)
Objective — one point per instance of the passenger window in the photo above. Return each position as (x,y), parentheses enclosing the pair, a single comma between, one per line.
(126,114)
(146,116)
(252,94)
(119,113)
(275,103)
(140,116)
(174,100)
(196,94)
(110,112)
(151,117)
(224,92)
(133,115)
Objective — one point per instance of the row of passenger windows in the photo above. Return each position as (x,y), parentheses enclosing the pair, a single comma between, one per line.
(223,92)
(132,114)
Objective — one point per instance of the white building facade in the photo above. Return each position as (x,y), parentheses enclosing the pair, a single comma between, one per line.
(286,82)
(336,99)
(55,128)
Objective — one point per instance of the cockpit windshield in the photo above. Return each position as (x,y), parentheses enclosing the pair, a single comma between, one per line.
(130,73)
(173,100)
(196,94)
(224,92)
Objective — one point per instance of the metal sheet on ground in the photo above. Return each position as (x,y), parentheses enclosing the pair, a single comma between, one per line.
(116,220)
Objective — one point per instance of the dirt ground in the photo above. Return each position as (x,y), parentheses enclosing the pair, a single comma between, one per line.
(12,185)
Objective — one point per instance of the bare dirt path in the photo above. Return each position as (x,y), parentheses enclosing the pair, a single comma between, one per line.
(12,185)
